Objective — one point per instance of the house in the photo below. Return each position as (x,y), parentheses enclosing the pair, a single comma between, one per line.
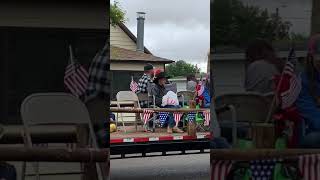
(34,40)
(228,66)
(127,60)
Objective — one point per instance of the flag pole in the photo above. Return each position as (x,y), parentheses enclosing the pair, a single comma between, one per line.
(273,103)
(71,54)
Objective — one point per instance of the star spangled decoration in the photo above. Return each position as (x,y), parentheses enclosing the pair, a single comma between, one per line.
(262,169)
(191,116)
(163,117)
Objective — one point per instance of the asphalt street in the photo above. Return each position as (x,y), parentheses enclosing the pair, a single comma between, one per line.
(181,167)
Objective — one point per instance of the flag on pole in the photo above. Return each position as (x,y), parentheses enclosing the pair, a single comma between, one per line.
(146,115)
(309,167)
(292,82)
(163,117)
(206,118)
(133,85)
(75,77)
(200,88)
(177,117)
(220,169)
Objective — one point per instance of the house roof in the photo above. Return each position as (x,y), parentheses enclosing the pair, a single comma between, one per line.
(132,36)
(121,54)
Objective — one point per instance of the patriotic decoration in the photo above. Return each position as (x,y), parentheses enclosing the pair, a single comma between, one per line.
(163,117)
(291,93)
(146,115)
(262,169)
(200,88)
(309,167)
(177,117)
(206,118)
(133,85)
(220,169)
(191,116)
(76,77)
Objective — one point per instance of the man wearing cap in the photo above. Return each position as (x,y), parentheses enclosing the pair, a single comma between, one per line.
(144,82)
(158,91)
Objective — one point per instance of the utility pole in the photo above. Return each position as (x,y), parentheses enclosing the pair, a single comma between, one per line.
(315,19)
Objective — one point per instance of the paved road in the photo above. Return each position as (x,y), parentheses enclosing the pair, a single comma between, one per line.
(183,167)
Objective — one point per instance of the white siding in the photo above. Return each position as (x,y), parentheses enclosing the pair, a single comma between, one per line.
(120,39)
(53,16)
(132,66)
(228,76)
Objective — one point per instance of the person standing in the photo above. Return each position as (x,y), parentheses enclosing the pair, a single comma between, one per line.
(98,102)
(144,83)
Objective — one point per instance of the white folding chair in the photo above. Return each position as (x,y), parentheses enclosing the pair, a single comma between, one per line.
(55,109)
(123,96)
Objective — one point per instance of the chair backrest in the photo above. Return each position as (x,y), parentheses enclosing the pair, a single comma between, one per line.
(171,87)
(127,96)
(143,97)
(250,107)
(54,108)
(187,95)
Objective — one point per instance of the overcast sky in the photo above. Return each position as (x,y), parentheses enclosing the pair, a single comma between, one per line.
(174,29)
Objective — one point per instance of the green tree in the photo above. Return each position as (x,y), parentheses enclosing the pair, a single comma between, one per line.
(235,23)
(117,15)
(181,68)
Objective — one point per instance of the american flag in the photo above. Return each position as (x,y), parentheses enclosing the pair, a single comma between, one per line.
(191,116)
(220,169)
(76,77)
(146,115)
(290,95)
(177,117)
(262,169)
(206,118)
(163,117)
(133,85)
(309,167)
(200,88)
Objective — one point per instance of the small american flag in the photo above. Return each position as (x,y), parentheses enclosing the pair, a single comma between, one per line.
(206,118)
(133,85)
(200,88)
(146,115)
(289,96)
(76,77)
(177,117)
(191,116)
(309,167)
(220,169)
(163,117)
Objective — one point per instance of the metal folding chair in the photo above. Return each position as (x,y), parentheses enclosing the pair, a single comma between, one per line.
(129,96)
(55,109)
(250,108)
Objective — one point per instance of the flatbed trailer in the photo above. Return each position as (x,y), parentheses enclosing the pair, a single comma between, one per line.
(140,143)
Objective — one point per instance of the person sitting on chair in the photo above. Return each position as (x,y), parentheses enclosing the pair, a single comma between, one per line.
(308,102)
(261,66)
(159,91)
(191,82)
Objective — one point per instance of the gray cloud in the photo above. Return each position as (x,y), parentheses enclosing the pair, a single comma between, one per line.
(174,29)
